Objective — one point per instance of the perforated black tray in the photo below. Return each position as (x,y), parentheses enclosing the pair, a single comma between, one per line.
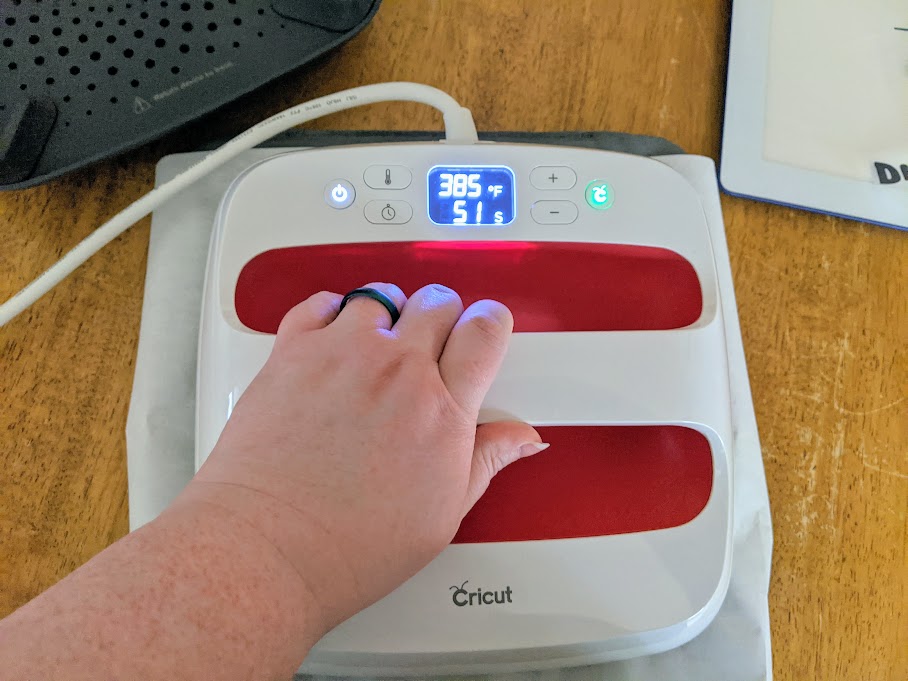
(84,80)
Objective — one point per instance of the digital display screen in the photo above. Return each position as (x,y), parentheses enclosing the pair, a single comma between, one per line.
(471,195)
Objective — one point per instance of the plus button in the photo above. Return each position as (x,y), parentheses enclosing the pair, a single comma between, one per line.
(552,178)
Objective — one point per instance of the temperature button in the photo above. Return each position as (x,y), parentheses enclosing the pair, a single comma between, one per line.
(388,177)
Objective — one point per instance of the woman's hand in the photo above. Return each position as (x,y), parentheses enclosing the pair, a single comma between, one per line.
(356,452)
(345,468)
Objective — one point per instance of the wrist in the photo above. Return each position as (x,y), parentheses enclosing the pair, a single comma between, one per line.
(245,561)
(295,539)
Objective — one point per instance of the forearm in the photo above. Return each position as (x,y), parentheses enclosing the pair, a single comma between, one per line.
(193,595)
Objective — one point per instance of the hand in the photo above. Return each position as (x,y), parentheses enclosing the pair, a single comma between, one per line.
(356,452)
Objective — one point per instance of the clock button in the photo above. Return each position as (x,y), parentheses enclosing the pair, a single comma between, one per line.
(388,212)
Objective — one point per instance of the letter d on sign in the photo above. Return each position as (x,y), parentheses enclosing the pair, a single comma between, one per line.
(886,173)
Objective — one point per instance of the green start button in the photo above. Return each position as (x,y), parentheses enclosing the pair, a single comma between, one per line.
(599,195)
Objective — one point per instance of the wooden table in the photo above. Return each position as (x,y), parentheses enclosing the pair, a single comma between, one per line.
(823,304)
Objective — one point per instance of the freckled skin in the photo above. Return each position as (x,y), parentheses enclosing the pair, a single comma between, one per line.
(345,468)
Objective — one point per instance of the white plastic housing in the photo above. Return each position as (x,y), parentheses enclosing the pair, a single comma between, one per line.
(574,601)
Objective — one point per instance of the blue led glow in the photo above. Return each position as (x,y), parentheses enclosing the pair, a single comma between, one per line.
(471,195)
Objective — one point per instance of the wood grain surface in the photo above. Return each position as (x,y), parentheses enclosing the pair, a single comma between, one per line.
(823,304)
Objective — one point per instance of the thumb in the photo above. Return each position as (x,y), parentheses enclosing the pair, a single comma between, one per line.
(498,445)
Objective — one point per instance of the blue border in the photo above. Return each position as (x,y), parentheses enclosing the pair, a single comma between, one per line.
(898,228)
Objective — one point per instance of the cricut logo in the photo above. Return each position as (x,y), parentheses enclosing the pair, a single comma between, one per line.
(462,596)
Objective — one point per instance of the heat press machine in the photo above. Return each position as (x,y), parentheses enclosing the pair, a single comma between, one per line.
(616,541)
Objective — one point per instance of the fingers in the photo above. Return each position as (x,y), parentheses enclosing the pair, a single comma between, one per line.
(316,312)
(498,445)
(428,318)
(362,313)
(474,352)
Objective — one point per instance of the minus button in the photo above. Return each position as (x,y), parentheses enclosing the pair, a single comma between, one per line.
(554,212)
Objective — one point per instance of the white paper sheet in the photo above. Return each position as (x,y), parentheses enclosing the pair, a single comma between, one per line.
(160,433)
(837,88)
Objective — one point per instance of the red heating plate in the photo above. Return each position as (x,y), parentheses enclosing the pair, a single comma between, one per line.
(548,286)
(593,481)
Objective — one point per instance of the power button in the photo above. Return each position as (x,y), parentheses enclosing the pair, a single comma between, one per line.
(339,194)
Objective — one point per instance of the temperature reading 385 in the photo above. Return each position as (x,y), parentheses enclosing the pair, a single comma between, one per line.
(462,184)
(480,195)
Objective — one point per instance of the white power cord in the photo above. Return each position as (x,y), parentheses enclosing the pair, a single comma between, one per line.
(459,129)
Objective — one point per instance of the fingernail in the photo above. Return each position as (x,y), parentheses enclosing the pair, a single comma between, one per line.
(531,448)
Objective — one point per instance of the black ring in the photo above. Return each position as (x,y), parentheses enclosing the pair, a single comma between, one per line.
(374,294)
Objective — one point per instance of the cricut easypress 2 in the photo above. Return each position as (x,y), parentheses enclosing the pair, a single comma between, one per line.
(616,541)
